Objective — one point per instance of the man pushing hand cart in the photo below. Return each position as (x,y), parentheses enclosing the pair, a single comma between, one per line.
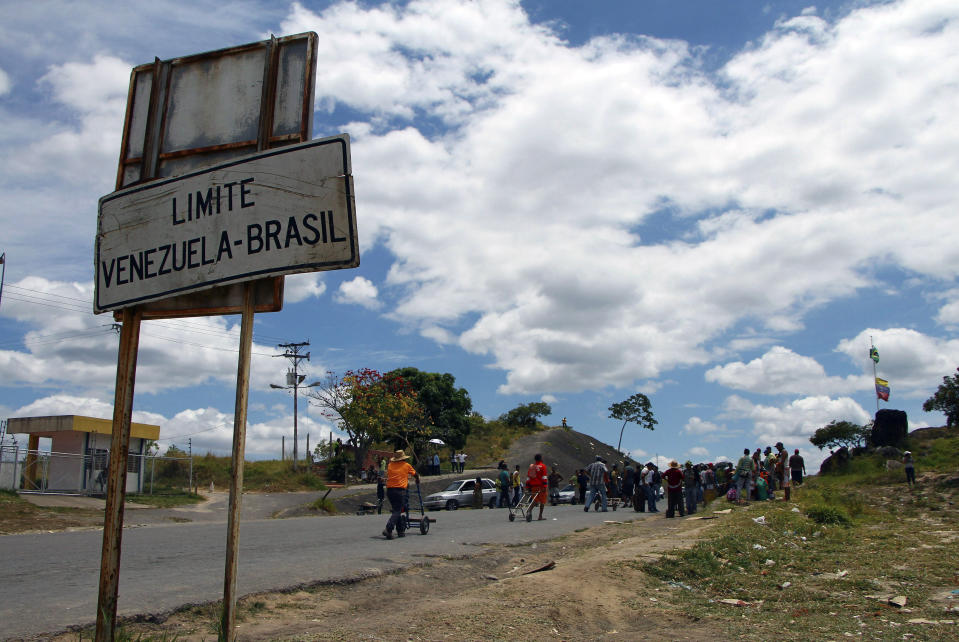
(537,481)
(398,473)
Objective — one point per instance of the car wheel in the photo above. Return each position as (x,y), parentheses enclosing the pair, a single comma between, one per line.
(452,504)
(492,502)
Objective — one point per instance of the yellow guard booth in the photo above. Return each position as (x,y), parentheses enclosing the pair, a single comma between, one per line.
(79,453)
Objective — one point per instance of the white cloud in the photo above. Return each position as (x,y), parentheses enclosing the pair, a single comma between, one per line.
(912,362)
(781,371)
(71,348)
(5,82)
(359,291)
(697,451)
(698,426)
(794,422)
(949,313)
(300,287)
(590,304)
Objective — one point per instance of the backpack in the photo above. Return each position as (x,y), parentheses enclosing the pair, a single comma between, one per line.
(657,478)
(731,495)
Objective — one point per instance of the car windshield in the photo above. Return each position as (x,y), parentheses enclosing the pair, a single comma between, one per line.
(453,486)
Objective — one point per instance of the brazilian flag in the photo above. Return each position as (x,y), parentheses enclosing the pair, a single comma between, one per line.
(874,354)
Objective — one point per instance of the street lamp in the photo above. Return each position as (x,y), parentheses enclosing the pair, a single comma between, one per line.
(293,381)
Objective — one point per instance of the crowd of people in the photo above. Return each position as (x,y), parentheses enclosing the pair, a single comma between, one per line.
(756,476)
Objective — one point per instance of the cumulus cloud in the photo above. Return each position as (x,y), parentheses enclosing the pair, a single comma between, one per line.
(794,422)
(780,371)
(300,287)
(698,426)
(913,363)
(810,99)
(358,291)
(76,350)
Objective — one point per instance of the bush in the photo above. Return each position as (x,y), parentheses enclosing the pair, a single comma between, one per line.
(825,514)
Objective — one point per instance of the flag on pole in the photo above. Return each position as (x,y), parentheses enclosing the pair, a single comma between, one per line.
(882,389)
(874,354)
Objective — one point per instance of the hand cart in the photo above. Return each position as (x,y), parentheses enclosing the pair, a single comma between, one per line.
(524,507)
(421,520)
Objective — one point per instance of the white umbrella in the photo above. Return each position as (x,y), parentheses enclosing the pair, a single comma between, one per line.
(437,441)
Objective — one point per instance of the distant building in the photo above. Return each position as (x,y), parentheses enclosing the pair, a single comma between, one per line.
(79,453)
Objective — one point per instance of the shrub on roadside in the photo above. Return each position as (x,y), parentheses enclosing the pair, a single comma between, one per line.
(825,514)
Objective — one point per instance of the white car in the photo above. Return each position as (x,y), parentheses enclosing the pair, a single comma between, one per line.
(460,493)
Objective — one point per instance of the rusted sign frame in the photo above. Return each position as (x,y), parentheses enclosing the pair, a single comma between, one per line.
(145,154)
(129,342)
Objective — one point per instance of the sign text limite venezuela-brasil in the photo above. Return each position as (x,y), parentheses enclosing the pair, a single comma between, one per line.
(278,212)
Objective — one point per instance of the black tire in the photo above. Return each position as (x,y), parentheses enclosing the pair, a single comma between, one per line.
(452,504)
(424,525)
(614,507)
(492,502)
(512,517)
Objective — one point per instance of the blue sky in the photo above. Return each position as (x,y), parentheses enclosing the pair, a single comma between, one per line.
(716,204)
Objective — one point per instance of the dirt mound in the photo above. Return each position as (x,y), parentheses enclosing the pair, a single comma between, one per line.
(569,450)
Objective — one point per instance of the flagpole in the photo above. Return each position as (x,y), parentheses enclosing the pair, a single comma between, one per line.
(3,266)
(872,347)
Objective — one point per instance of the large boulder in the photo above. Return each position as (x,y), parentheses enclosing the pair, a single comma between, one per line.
(890,428)
(835,462)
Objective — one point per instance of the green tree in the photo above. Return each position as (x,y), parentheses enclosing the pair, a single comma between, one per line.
(836,434)
(447,406)
(372,408)
(946,399)
(635,410)
(525,415)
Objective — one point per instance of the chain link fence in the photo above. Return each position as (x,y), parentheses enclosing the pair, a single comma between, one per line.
(40,471)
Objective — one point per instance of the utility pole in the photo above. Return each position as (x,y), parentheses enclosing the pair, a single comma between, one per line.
(293,381)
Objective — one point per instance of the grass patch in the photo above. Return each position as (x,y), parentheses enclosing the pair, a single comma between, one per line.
(324,504)
(815,571)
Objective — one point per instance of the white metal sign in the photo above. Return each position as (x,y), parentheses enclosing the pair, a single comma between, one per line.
(279,212)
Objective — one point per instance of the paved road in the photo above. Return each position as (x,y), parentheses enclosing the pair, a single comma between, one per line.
(50,581)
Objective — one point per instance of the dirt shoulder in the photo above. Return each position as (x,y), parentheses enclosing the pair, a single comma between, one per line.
(591,588)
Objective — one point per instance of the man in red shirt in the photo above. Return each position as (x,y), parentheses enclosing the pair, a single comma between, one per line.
(674,489)
(398,473)
(537,480)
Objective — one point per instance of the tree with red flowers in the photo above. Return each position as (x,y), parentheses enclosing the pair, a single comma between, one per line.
(372,408)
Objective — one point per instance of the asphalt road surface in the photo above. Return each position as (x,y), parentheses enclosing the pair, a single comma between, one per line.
(50,580)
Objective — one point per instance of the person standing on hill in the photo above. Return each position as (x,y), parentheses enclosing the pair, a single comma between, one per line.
(582,480)
(555,479)
(674,490)
(597,483)
(910,467)
(653,483)
(537,480)
(689,481)
(504,487)
(516,484)
(744,469)
(398,473)
(798,467)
